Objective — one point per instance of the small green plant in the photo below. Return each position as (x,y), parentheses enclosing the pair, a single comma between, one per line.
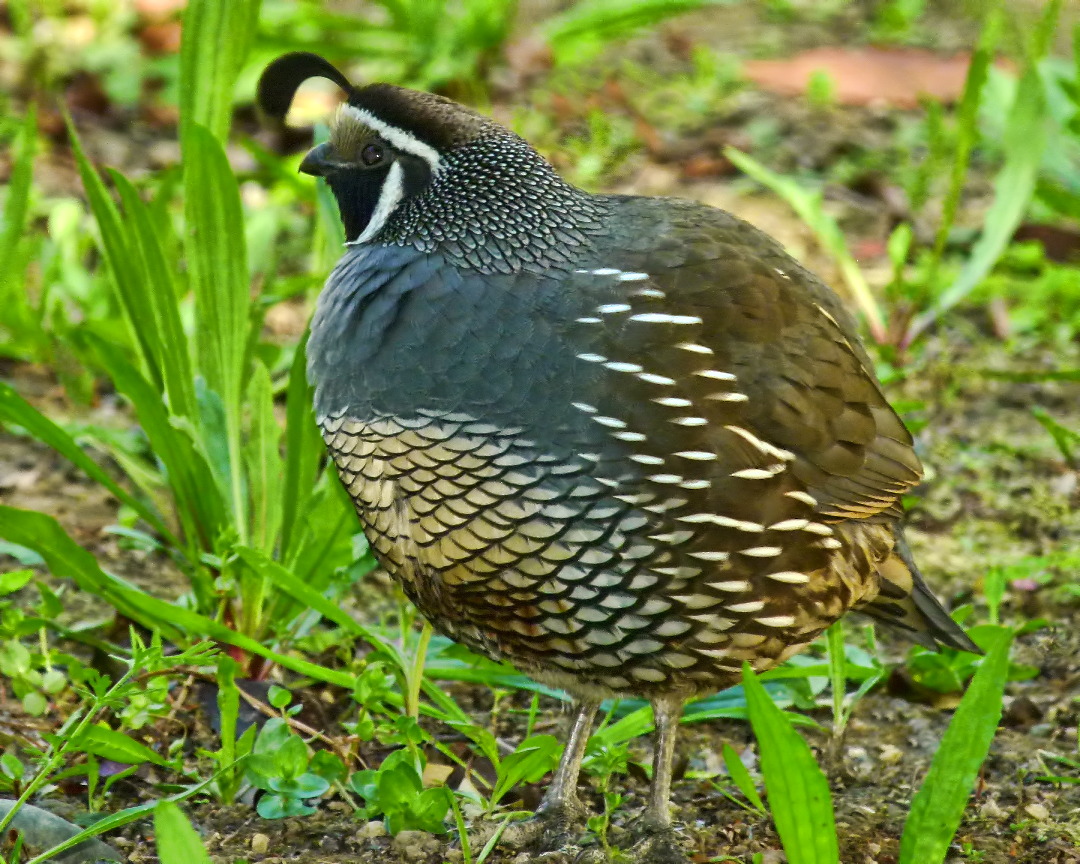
(395,791)
(821,89)
(279,765)
(896,19)
(532,759)
(603,761)
(948,670)
(85,733)
(968,850)
(34,677)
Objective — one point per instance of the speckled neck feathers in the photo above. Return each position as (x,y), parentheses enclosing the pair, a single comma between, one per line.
(497,207)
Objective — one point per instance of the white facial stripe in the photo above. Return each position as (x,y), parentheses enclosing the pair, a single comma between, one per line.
(393,190)
(399,138)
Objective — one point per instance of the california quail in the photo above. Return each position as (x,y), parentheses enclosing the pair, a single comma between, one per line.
(624,443)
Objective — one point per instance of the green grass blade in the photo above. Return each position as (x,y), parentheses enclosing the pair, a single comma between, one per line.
(302,450)
(798,791)
(16,209)
(309,598)
(834,641)
(214,243)
(322,539)
(171,347)
(16,411)
(177,841)
(967,129)
(216,38)
(228,703)
(1066,439)
(124,264)
(66,559)
(198,505)
(113,821)
(1027,130)
(939,804)
(741,777)
(262,455)
(600,21)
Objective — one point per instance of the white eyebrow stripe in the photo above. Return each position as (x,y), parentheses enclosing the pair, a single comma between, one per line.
(399,138)
(393,190)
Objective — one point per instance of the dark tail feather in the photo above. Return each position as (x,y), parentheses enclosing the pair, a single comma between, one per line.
(906,602)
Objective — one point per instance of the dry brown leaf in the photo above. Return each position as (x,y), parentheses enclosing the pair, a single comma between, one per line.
(867,76)
(161,38)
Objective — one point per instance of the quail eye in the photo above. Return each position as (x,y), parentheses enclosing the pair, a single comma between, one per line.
(372,155)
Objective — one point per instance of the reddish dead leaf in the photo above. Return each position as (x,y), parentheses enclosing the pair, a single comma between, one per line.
(867,76)
(706,165)
(869,248)
(161,38)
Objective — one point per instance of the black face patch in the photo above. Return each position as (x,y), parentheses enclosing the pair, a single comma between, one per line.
(417,175)
(358,189)
(357,192)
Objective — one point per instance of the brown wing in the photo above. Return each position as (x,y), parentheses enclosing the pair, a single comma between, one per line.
(739,345)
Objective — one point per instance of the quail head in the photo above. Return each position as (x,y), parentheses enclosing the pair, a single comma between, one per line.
(626,444)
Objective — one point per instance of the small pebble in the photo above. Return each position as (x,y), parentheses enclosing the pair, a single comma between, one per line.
(416,845)
(260,843)
(890,754)
(372,830)
(1037,811)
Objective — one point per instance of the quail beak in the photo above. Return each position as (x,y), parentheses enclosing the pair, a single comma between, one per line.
(319,161)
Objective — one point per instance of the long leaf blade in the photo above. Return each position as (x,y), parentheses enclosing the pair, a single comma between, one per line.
(177,841)
(125,265)
(939,804)
(67,559)
(214,242)
(171,347)
(15,410)
(798,791)
(13,231)
(216,38)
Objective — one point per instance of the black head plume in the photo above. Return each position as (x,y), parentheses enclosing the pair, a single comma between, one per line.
(283,77)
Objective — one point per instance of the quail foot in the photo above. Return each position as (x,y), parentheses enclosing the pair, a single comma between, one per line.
(626,444)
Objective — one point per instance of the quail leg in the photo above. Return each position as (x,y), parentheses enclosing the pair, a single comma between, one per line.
(660,844)
(561,810)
